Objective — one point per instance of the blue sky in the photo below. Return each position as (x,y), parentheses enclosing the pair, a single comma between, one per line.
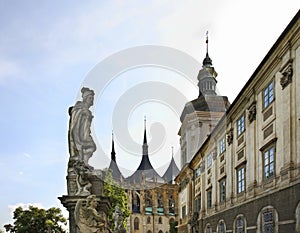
(47,49)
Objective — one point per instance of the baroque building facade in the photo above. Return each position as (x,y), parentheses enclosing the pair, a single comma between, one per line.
(244,173)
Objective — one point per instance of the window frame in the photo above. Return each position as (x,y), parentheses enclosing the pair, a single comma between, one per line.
(136,223)
(269,163)
(222,145)
(209,198)
(241,183)
(240,124)
(222,190)
(268,99)
(240,228)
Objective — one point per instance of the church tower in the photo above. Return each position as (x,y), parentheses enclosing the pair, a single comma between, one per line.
(145,170)
(200,115)
(116,173)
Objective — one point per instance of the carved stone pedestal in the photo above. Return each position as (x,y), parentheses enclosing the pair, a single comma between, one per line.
(69,202)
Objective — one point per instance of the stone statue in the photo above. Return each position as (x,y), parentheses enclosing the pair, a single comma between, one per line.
(118,220)
(87,217)
(81,144)
(83,183)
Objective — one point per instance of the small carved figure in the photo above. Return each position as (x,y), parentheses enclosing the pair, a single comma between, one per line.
(118,219)
(81,144)
(230,136)
(82,178)
(286,76)
(252,113)
(87,218)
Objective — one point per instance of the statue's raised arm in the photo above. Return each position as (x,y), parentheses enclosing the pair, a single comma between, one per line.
(81,143)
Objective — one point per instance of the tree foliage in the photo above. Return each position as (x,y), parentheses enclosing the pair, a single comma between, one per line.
(117,195)
(173,228)
(37,220)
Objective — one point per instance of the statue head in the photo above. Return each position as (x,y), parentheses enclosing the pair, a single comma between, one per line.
(87,96)
(91,201)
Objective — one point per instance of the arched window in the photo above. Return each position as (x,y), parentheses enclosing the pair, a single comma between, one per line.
(148,220)
(207,228)
(221,228)
(160,220)
(136,223)
(171,204)
(135,202)
(239,224)
(160,231)
(267,220)
(149,231)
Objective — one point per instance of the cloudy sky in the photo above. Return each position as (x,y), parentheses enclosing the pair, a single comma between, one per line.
(48,49)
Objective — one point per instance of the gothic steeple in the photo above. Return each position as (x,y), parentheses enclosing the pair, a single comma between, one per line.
(113,153)
(116,173)
(145,168)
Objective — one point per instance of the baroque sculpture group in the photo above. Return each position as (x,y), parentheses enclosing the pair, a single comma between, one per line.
(88,208)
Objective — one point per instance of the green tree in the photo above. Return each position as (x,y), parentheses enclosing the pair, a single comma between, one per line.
(37,220)
(173,226)
(117,195)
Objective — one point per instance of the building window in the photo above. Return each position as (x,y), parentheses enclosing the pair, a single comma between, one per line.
(198,204)
(171,204)
(222,190)
(268,224)
(136,223)
(268,94)
(268,161)
(198,172)
(183,211)
(160,220)
(241,125)
(222,145)
(209,198)
(221,227)
(240,225)
(241,179)
(209,160)
(148,220)
(208,229)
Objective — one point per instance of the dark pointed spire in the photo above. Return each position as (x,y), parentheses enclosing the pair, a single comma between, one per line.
(145,134)
(113,153)
(145,168)
(116,173)
(207,62)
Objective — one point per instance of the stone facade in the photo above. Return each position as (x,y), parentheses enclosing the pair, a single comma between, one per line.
(245,177)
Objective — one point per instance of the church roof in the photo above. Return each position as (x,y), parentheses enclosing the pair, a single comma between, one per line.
(145,170)
(171,172)
(116,173)
(213,103)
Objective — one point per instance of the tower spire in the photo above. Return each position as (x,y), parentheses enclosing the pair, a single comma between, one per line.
(207,62)
(145,134)
(206,42)
(113,153)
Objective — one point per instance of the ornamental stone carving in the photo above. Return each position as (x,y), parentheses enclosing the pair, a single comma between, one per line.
(83,175)
(118,220)
(252,112)
(81,143)
(230,136)
(287,73)
(87,218)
